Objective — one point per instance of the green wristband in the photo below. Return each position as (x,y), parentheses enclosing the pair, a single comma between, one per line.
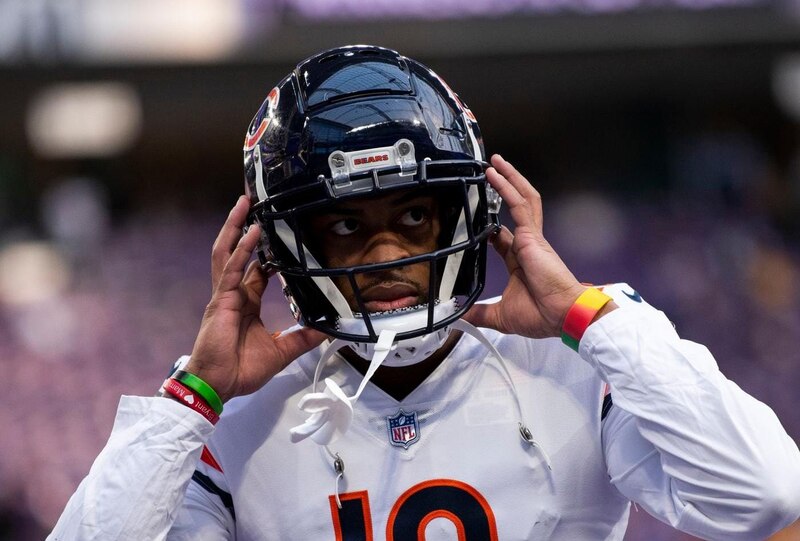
(202,388)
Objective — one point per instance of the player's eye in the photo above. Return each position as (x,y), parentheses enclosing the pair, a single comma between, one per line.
(413,217)
(345,227)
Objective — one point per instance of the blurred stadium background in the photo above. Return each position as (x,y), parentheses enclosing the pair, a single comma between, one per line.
(663,135)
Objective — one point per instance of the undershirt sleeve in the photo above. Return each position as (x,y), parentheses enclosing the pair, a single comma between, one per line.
(137,483)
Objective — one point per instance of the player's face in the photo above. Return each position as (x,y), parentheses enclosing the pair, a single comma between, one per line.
(378,230)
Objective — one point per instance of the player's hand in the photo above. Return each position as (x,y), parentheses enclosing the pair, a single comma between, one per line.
(540,289)
(234,353)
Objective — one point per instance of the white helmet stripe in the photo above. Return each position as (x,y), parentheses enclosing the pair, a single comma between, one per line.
(453,263)
(324,283)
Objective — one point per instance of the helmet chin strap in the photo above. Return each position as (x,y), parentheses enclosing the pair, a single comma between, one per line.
(332,410)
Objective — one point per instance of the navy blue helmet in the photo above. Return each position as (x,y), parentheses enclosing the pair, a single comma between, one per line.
(360,121)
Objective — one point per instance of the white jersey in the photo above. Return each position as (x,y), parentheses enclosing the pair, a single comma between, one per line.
(447,462)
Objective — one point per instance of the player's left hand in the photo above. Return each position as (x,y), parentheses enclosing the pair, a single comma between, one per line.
(541,288)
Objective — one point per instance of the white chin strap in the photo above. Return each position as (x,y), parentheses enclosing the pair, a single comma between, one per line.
(332,410)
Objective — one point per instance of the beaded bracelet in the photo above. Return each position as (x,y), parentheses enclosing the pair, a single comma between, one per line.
(186,397)
(581,314)
(200,387)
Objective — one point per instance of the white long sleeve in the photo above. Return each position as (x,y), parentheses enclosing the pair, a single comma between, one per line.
(683,441)
(136,485)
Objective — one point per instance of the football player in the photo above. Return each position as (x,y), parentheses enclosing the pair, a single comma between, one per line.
(399,408)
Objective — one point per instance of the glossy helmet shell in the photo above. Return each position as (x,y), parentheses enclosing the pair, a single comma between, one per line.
(337,108)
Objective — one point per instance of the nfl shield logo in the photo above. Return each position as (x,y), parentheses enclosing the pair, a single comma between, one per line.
(403,429)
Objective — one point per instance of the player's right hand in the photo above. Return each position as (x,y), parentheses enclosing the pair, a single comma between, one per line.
(234,353)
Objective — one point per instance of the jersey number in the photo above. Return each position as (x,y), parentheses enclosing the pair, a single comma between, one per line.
(453,500)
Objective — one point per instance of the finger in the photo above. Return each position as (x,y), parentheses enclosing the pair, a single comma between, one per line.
(502,242)
(521,210)
(292,345)
(233,271)
(517,179)
(507,191)
(256,279)
(524,202)
(228,237)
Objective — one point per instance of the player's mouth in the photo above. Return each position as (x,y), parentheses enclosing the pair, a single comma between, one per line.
(385,297)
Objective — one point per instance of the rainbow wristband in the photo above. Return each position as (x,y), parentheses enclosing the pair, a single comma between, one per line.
(200,387)
(581,314)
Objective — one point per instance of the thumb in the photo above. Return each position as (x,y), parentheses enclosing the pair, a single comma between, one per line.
(483,315)
(292,345)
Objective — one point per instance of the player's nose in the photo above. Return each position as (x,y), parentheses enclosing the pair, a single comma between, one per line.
(385,246)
